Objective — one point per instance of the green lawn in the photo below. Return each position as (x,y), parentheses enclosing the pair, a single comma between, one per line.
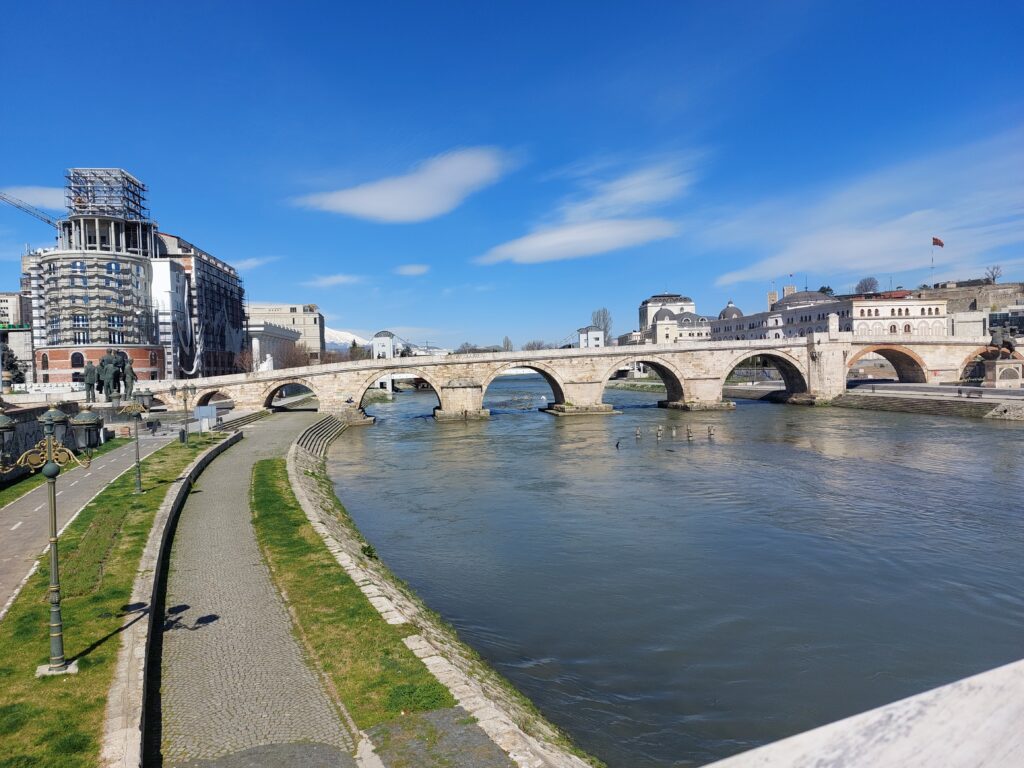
(374,674)
(58,721)
(26,483)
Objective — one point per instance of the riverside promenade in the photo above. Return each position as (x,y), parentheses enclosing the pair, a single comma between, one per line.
(235,687)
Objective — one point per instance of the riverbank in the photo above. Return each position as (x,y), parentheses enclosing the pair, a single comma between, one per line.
(487,700)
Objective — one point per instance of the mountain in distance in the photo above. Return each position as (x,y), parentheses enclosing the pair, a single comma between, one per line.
(339,340)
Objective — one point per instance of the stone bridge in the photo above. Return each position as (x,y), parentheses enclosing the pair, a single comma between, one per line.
(814,367)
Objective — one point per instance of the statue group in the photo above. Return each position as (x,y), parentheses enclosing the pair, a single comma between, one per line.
(108,377)
(1003,341)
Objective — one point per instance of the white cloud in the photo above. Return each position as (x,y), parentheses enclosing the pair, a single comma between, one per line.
(435,187)
(411,270)
(252,263)
(630,194)
(573,241)
(51,198)
(327,281)
(604,216)
(972,197)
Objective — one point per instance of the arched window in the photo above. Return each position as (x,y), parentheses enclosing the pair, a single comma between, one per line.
(152,357)
(892,328)
(113,267)
(862,313)
(929,310)
(44,363)
(77,360)
(876,313)
(906,328)
(892,313)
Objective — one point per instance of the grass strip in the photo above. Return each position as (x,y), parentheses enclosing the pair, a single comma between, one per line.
(58,721)
(373,673)
(26,483)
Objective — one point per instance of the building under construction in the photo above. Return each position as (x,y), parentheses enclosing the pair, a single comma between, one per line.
(114,281)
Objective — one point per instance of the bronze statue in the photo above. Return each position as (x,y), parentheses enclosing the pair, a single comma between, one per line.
(1003,342)
(129,378)
(89,376)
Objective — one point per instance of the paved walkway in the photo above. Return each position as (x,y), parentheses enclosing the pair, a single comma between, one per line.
(25,522)
(235,689)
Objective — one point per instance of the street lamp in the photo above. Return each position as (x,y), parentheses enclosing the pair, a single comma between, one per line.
(187,391)
(134,411)
(49,455)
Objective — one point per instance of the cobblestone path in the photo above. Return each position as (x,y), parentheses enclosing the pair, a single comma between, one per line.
(235,687)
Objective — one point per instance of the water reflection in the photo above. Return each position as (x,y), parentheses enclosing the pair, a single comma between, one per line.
(672,602)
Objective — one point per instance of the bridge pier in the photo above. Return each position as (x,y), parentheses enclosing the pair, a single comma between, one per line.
(580,398)
(461,400)
(700,394)
(446,414)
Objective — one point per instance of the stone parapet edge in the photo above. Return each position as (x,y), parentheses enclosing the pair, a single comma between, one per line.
(434,645)
(124,720)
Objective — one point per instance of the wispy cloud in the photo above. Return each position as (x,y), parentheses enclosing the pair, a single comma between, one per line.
(411,270)
(328,281)
(574,241)
(252,263)
(605,215)
(51,198)
(435,187)
(972,197)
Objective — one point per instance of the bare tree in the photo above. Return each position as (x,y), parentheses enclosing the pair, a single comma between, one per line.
(602,318)
(243,361)
(293,356)
(533,345)
(993,273)
(867,285)
(506,344)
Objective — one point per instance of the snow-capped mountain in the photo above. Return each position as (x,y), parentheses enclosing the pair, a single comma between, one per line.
(341,339)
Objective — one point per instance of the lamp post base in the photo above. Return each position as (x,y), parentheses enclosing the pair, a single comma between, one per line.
(43,670)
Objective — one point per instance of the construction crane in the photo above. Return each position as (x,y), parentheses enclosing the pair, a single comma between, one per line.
(21,205)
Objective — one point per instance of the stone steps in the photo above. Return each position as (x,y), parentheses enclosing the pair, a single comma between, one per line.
(233,425)
(927,405)
(318,438)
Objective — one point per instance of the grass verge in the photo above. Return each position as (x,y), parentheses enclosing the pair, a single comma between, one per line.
(372,672)
(26,483)
(58,721)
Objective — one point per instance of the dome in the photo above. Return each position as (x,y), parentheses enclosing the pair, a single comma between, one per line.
(383,335)
(801,298)
(731,312)
(663,314)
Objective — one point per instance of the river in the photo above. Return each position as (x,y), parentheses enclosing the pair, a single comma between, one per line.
(673,602)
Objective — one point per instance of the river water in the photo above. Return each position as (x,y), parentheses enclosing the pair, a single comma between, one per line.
(669,603)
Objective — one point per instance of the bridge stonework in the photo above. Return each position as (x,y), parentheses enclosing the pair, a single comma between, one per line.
(694,373)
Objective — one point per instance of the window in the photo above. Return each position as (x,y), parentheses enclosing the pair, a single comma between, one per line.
(922,310)
(81,337)
(77,360)
(906,328)
(78,267)
(115,337)
(876,313)
(79,321)
(892,313)
(152,358)
(115,321)
(892,329)
(113,267)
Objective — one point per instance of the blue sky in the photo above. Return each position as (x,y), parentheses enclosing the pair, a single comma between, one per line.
(459,172)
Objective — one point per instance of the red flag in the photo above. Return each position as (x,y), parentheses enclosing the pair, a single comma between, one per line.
(936,241)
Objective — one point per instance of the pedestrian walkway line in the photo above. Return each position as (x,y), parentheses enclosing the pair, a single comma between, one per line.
(38,508)
(17,525)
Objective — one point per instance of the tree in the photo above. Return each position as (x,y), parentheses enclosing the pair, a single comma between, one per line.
(993,273)
(243,360)
(867,285)
(11,364)
(506,344)
(355,352)
(602,318)
(827,290)
(534,345)
(292,356)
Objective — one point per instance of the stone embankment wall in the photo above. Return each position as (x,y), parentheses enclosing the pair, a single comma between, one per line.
(934,406)
(507,717)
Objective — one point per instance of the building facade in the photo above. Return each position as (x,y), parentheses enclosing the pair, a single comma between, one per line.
(304,318)
(275,341)
(667,318)
(590,337)
(92,292)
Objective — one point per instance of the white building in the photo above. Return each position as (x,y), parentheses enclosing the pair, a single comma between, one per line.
(667,318)
(269,339)
(590,337)
(884,316)
(304,318)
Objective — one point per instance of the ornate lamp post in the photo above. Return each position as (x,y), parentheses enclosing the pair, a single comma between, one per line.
(134,410)
(49,455)
(187,391)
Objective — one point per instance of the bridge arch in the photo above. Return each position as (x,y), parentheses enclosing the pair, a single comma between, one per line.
(550,375)
(909,367)
(368,382)
(978,355)
(271,391)
(790,369)
(208,396)
(670,375)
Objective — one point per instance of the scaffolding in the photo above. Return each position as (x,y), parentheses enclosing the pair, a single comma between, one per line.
(109,192)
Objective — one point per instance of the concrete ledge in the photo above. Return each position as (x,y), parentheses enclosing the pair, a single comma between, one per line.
(562,409)
(124,720)
(694,405)
(442,415)
(972,722)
